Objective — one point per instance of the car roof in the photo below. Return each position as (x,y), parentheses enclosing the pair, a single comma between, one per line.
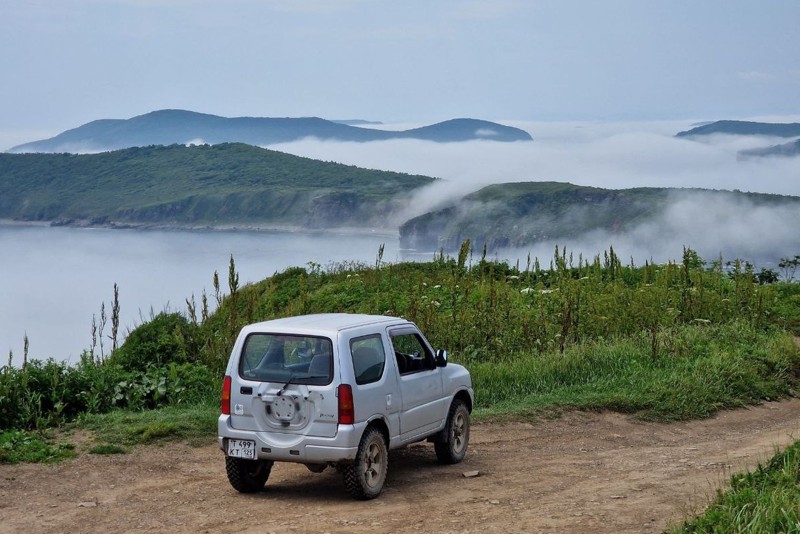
(329,323)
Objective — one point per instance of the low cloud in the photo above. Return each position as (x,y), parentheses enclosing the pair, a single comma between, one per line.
(486,132)
(607,155)
(611,156)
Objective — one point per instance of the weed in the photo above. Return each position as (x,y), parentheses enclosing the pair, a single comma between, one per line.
(20,446)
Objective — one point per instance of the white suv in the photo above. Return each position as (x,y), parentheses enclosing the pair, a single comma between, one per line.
(341,390)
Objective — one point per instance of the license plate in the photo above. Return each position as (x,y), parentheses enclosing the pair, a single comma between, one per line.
(242,448)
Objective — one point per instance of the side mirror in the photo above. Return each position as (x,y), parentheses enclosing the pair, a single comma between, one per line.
(441,358)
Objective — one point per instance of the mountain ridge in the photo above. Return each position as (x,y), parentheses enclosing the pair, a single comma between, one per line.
(175,126)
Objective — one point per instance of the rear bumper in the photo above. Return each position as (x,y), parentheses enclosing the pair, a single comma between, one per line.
(296,447)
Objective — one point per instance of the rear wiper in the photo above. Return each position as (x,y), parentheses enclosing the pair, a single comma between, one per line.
(280,391)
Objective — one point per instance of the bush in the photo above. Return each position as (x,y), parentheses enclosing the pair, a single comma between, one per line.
(47,393)
(167,338)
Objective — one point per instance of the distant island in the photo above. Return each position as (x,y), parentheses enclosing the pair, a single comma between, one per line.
(731,127)
(765,129)
(523,214)
(240,186)
(216,186)
(171,126)
(791,149)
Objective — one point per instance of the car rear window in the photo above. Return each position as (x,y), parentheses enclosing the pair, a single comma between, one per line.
(287,357)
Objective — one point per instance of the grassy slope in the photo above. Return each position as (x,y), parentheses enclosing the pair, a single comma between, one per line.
(765,500)
(221,183)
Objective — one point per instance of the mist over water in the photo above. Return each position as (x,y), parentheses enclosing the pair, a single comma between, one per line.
(53,279)
(607,155)
(612,156)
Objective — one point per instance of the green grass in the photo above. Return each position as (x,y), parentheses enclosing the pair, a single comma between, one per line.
(18,446)
(700,371)
(193,424)
(766,500)
(107,448)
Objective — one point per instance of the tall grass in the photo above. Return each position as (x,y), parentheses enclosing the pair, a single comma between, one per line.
(702,369)
(766,500)
(672,341)
(488,311)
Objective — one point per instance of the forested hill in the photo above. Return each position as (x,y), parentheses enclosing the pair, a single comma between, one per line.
(744,128)
(199,185)
(522,214)
(790,149)
(170,126)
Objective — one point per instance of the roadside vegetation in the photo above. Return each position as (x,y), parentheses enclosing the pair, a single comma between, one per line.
(665,342)
(766,500)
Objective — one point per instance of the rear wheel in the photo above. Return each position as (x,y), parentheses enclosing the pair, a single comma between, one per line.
(247,476)
(364,478)
(456,435)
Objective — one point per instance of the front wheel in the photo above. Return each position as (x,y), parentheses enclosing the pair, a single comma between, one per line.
(247,476)
(456,435)
(364,478)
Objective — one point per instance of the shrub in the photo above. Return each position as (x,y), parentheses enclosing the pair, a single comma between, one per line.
(167,338)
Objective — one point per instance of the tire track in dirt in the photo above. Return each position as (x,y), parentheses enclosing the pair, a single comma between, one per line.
(598,472)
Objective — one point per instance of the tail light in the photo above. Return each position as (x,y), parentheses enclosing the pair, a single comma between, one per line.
(347,415)
(225,405)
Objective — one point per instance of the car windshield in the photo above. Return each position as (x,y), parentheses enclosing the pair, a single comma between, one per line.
(286,358)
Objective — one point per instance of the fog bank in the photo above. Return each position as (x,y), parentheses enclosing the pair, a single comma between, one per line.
(716,228)
(607,155)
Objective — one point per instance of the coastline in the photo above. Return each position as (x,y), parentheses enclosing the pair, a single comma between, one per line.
(227,227)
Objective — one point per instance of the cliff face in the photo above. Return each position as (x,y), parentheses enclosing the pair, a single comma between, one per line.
(430,232)
(520,214)
(306,209)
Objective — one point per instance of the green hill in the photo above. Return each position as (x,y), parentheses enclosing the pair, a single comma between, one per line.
(521,214)
(198,185)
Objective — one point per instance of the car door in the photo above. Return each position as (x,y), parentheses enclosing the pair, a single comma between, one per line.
(421,389)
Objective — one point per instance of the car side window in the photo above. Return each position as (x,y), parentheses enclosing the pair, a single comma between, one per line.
(369,358)
(411,353)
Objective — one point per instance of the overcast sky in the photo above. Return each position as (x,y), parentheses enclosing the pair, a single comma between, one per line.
(66,62)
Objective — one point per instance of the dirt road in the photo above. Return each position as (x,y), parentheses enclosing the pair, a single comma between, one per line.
(584,472)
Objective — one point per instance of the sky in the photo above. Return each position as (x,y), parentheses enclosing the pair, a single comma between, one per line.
(67,62)
(602,87)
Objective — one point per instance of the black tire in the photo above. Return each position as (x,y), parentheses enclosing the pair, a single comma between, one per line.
(247,476)
(453,447)
(364,478)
